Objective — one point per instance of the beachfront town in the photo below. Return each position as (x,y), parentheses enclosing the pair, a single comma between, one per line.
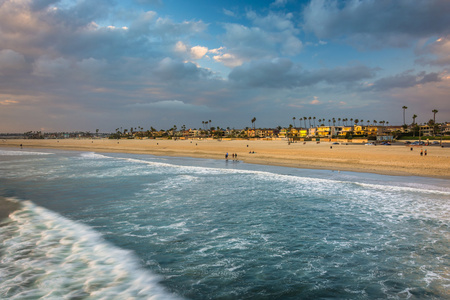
(337,129)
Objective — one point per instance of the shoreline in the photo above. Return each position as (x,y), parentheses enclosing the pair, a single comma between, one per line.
(384,160)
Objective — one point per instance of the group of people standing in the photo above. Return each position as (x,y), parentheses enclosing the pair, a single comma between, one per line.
(234,155)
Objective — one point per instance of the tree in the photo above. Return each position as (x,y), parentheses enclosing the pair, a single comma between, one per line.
(314,119)
(434,111)
(414,119)
(309,119)
(293,119)
(404,109)
(253,122)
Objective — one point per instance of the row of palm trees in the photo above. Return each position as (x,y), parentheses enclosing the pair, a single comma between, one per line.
(434,111)
(340,121)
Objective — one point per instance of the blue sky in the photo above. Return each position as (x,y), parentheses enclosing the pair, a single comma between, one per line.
(82,65)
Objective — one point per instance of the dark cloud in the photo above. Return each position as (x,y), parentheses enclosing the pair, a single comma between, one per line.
(41,4)
(172,70)
(404,80)
(283,73)
(378,23)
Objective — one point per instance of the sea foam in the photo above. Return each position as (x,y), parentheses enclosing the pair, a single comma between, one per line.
(47,255)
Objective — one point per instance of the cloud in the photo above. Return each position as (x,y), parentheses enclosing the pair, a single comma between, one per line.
(228,60)
(279,3)
(170,69)
(283,73)
(270,36)
(198,52)
(436,53)
(173,105)
(8,102)
(48,67)
(11,62)
(377,23)
(228,12)
(315,101)
(404,80)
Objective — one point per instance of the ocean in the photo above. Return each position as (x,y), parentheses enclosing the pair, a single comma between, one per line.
(126,226)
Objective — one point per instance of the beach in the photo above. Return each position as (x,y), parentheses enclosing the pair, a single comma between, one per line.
(97,224)
(386,160)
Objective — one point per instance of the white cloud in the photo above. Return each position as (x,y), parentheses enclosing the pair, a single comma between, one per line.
(180,47)
(315,101)
(228,60)
(198,52)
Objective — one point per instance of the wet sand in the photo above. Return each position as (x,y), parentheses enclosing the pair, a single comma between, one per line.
(387,160)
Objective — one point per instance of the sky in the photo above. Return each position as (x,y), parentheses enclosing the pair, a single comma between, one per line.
(80,65)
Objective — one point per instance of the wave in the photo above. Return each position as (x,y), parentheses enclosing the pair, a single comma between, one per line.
(165,167)
(21,152)
(47,255)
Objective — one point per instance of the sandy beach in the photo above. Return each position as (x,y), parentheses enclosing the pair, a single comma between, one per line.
(388,160)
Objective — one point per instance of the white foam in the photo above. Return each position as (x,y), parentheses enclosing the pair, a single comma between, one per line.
(93,155)
(264,175)
(21,152)
(70,258)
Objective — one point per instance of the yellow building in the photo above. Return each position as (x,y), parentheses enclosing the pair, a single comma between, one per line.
(323,131)
(360,130)
(346,130)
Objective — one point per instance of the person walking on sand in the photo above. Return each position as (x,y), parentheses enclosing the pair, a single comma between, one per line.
(425,152)
(226,156)
(421,152)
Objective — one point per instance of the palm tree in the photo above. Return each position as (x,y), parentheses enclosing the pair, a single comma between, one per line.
(351,120)
(304,120)
(434,111)
(314,119)
(309,119)
(293,119)
(404,109)
(414,119)
(253,122)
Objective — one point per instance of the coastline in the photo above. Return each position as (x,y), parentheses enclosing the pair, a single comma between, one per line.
(384,160)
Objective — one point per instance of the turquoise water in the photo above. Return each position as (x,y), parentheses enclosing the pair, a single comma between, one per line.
(122,226)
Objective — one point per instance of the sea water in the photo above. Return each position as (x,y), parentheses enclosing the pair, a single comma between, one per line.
(122,226)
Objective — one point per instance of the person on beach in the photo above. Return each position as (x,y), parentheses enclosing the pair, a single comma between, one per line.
(20,146)
(421,152)
(425,152)
(226,156)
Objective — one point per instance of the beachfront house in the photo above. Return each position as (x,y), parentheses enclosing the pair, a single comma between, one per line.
(324,131)
(346,131)
(374,130)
